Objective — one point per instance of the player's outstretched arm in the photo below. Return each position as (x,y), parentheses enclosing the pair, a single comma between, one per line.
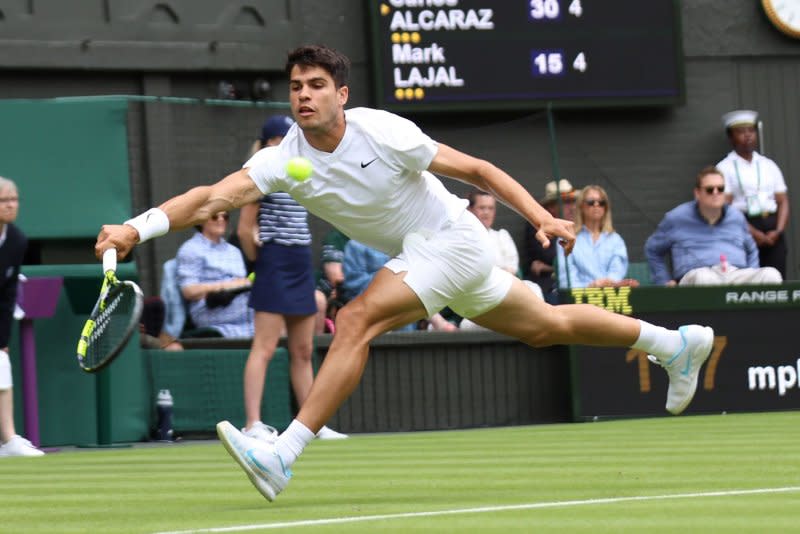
(191,208)
(486,176)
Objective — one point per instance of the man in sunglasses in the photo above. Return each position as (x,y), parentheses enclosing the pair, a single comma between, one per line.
(707,241)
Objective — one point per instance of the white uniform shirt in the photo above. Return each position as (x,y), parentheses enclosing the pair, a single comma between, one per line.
(505,251)
(757,180)
(373,186)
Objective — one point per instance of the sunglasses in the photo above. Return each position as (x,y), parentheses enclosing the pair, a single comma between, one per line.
(714,189)
(218,216)
(601,203)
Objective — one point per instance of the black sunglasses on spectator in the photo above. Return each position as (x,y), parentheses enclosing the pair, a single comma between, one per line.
(601,203)
(711,189)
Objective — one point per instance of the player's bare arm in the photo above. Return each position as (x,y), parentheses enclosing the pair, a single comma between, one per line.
(488,177)
(189,209)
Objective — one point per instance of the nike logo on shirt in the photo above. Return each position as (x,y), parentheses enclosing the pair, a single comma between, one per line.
(365,165)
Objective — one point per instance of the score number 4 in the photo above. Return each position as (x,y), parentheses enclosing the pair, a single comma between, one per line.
(552,63)
(550,9)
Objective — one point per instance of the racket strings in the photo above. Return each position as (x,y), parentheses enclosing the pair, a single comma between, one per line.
(111,326)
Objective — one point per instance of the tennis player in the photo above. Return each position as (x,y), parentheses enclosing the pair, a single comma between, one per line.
(372,178)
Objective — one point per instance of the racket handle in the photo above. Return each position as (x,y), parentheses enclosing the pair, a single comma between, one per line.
(109,260)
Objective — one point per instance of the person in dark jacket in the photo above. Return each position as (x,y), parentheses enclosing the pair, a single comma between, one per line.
(12,249)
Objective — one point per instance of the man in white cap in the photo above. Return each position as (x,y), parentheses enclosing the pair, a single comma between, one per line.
(754,185)
(539,259)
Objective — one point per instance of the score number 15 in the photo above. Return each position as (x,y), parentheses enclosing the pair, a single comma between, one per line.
(549,63)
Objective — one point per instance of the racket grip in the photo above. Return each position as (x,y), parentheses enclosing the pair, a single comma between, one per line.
(109,260)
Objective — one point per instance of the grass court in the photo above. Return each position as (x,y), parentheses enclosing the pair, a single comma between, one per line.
(716,473)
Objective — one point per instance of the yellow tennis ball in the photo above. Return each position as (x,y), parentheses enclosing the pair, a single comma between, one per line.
(299,169)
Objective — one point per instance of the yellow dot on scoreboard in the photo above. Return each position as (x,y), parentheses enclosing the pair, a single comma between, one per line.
(416,37)
(398,94)
(385,9)
(395,37)
(419,93)
(405,37)
(409,93)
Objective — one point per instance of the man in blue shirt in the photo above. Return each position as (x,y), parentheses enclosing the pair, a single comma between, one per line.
(708,242)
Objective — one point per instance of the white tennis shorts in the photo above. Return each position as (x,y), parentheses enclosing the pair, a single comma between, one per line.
(453,267)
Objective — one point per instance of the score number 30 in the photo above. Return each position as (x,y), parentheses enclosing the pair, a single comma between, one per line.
(552,63)
(551,9)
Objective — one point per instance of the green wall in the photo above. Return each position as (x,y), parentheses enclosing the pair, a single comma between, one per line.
(70,163)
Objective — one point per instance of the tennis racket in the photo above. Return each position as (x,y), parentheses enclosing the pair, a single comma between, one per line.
(113,320)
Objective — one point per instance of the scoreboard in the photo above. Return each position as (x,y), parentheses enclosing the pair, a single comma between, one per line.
(463,55)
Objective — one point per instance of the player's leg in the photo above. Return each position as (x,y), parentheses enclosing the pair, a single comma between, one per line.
(386,304)
(681,352)
(530,319)
(268,328)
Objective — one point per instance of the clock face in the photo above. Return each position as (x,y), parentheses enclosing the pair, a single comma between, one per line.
(785,15)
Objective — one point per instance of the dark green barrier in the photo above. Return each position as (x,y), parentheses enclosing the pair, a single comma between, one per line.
(754,365)
(206,387)
(67,406)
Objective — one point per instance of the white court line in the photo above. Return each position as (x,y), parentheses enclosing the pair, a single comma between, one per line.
(482,509)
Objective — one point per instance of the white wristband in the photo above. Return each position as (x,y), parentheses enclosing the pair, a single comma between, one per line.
(150,224)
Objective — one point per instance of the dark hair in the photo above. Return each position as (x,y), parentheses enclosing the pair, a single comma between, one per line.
(332,61)
(474,194)
(705,171)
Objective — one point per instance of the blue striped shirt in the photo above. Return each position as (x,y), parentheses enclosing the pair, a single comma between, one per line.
(283,221)
(201,261)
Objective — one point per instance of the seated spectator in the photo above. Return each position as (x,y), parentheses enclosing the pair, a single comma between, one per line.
(208,265)
(709,242)
(327,293)
(484,206)
(559,200)
(599,258)
(506,257)
(153,334)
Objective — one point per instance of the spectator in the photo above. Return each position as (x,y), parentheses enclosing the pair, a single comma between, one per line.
(755,186)
(274,233)
(540,261)
(698,234)
(153,334)
(484,207)
(600,258)
(207,264)
(331,276)
(12,250)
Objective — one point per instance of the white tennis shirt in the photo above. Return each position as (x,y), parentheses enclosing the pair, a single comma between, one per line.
(373,186)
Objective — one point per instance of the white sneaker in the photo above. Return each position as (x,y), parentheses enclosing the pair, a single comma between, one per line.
(259,460)
(261,431)
(19,446)
(329,433)
(684,366)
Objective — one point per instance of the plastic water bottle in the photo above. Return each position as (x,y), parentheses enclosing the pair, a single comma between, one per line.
(723,263)
(164,408)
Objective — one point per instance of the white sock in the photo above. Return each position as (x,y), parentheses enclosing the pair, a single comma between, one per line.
(658,341)
(291,443)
